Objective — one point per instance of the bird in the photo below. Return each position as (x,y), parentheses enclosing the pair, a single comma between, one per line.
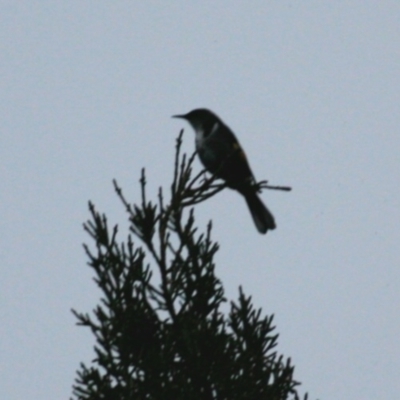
(222,155)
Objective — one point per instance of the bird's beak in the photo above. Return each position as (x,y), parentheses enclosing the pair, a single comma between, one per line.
(179,116)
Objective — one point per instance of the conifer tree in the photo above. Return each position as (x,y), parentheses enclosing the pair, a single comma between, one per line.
(160,332)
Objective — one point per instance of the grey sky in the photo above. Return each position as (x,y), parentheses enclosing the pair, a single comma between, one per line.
(311,90)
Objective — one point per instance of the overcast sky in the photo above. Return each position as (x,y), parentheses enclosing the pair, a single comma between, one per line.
(312,90)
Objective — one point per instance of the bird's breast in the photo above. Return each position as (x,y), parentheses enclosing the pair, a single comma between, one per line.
(199,138)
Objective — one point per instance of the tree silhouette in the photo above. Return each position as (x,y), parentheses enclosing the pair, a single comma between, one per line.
(159,329)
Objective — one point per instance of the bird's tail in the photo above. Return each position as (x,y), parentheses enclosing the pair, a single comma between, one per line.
(262,217)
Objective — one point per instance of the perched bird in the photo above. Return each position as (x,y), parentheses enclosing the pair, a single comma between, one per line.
(222,155)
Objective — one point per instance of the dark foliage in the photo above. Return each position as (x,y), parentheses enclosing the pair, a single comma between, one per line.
(160,332)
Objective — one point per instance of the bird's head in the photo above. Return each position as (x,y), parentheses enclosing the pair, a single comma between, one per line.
(200,119)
